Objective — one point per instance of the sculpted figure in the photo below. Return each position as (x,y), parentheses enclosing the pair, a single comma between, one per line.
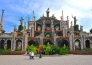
(19,45)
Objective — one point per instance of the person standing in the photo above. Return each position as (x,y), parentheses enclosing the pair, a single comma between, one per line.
(40,51)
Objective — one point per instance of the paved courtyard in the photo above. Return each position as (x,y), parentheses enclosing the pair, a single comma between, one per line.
(46,60)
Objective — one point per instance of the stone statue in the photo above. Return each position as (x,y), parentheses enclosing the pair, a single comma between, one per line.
(74,19)
(15,29)
(24,27)
(76,45)
(67,17)
(2,11)
(21,20)
(19,45)
(57,28)
(47,12)
(48,43)
(5,45)
(81,28)
(39,28)
(24,23)
(64,45)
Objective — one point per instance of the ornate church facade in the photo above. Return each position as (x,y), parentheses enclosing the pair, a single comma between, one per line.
(46,30)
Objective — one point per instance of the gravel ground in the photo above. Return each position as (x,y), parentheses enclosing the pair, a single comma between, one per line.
(46,60)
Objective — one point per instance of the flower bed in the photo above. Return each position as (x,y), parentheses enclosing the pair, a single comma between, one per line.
(58,30)
(81,53)
(13,53)
(64,36)
(47,38)
(32,37)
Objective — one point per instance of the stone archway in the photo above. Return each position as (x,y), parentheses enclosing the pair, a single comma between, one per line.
(18,44)
(2,44)
(87,43)
(32,42)
(63,42)
(48,42)
(77,44)
(8,44)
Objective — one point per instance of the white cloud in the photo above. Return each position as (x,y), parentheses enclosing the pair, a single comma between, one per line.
(82,9)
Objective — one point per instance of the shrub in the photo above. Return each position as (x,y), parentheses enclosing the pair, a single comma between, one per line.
(31,48)
(64,50)
(50,49)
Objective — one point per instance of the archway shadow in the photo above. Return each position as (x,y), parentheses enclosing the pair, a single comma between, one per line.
(63,42)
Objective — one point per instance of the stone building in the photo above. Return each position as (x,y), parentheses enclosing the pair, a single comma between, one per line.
(46,30)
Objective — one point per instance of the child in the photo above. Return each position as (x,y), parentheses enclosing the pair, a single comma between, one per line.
(31,54)
(25,54)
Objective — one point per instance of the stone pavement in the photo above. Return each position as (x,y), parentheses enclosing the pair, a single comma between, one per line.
(46,60)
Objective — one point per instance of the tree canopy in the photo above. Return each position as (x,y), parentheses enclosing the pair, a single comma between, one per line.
(20,28)
(76,29)
(90,30)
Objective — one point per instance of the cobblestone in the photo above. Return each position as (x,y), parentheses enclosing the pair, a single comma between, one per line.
(46,60)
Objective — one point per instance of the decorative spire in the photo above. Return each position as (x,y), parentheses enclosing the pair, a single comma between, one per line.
(47,12)
(71,23)
(24,26)
(28,19)
(62,16)
(33,18)
(52,15)
(2,19)
(24,23)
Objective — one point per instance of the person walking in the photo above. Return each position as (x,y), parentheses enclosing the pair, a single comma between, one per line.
(40,51)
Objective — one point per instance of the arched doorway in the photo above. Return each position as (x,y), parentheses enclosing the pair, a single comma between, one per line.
(18,44)
(48,42)
(63,42)
(32,42)
(77,44)
(87,43)
(8,44)
(2,44)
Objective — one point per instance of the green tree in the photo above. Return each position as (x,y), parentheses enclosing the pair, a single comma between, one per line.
(76,29)
(20,28)
(3,31)
(90,30)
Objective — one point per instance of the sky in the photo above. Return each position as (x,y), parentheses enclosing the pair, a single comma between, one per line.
(15,9)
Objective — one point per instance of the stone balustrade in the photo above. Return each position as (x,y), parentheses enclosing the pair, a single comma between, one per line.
(6,35)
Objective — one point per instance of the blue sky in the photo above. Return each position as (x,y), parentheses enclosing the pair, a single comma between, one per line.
(15,9)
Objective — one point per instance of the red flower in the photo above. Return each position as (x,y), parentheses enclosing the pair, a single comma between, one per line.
(64,36)
(47,38)
(32,37)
